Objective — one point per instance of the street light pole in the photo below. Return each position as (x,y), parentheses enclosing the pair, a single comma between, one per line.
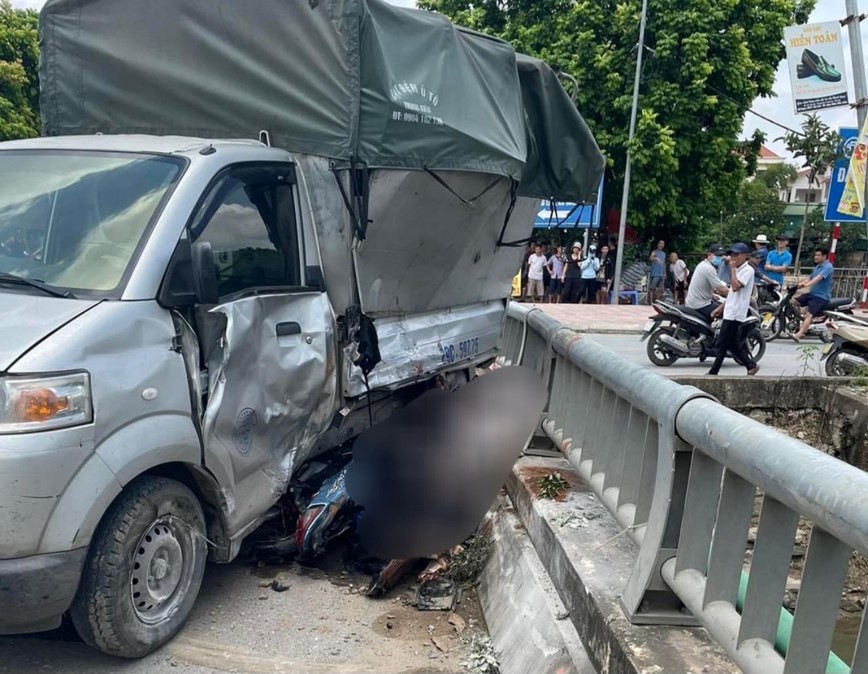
(625,197)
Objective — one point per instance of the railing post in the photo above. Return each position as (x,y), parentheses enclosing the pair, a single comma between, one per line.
(647,599)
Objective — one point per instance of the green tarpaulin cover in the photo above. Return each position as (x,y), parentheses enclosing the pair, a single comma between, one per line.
(358,81)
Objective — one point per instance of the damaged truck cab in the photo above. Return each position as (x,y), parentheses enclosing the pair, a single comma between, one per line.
(187,320)
(168,346)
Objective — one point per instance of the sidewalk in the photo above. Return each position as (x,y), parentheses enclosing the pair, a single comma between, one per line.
(602,318)
(624,319)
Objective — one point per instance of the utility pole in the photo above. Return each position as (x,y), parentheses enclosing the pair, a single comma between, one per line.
(853,22)
(625,198)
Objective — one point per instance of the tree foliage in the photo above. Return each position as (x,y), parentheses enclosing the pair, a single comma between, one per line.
(817,145)
(757,210)
(19,84)
(706,63)
(778,177)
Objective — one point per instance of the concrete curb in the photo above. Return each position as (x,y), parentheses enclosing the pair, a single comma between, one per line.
(602,330)
(526,620)
(589,559)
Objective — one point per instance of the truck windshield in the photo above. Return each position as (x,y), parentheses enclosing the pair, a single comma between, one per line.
(75,220)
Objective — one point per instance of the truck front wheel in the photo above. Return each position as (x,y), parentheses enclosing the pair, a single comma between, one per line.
(143,570)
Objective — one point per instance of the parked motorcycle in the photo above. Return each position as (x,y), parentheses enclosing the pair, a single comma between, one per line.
(786,317)
(847,354)
(680,332)
(769,292)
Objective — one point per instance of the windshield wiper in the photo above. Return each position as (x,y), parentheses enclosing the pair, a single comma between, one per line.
(35,283)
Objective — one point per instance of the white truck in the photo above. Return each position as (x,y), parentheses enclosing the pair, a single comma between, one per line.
(188,319)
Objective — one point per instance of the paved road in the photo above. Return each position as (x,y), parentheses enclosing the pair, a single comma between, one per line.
(783,357)
(321,625)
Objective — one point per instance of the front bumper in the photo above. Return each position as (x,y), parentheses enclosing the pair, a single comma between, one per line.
(36,591)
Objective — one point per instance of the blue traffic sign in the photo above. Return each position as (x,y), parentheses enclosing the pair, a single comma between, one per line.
(839,177)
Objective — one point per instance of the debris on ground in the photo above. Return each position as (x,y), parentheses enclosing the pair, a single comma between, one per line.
(435,567)
(437,595)
(389,576)
(441,644)
(457,622)
(279,586)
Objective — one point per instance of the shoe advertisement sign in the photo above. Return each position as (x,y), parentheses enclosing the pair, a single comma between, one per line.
(815,57)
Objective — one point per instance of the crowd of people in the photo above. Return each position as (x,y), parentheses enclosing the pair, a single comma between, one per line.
(551,274)
(735,275)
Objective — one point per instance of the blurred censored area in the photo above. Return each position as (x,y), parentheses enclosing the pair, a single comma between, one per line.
(426,477)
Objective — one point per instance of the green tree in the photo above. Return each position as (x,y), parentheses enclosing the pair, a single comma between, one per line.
(707,61)
(817,145)
(19,84)
(757,209)
(778,177)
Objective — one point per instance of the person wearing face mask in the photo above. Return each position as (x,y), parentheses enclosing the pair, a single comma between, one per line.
(706,282)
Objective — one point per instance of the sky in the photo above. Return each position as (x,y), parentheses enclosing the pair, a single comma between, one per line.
(779,108)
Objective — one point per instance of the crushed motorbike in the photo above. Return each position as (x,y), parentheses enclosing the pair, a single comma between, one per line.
(847,354)
(785,317)
(678,332)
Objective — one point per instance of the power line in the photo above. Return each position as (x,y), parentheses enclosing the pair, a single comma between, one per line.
(754,112)
(771,121)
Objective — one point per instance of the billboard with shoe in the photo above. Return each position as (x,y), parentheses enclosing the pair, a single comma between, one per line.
(815,58)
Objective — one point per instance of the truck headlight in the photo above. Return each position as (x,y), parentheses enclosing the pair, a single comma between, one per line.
(44,403)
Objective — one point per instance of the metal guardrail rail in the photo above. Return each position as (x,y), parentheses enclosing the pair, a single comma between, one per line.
(680,473)
(847,281)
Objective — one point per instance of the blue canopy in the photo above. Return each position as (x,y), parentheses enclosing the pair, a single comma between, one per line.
(569,215)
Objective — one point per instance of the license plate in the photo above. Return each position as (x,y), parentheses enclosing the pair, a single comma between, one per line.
(827,348)
(649,326)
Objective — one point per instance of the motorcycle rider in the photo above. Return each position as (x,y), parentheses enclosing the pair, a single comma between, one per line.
(706,282)
(820,283)
(735,311)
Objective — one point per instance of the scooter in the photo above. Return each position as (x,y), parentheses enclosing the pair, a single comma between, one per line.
(847,354)
(680,332)
(786,317)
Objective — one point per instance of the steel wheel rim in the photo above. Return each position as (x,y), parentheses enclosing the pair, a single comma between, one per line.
(163,564)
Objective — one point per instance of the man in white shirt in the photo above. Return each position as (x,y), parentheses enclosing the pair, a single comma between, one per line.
(706,282)
(535,264)
(735,310)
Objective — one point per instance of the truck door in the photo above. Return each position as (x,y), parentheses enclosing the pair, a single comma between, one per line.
(268,346)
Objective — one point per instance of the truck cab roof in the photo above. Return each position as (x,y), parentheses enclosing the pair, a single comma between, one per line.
(175,145)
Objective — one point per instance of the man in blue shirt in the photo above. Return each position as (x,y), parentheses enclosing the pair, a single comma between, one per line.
(658,273)
(779,260)
(820,283)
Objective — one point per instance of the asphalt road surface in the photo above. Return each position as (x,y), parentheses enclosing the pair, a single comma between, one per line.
(783,357)
(320,625)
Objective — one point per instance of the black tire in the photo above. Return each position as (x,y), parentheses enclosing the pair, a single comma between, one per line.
(659,353)
(756,344)
(160,523)
(771,326)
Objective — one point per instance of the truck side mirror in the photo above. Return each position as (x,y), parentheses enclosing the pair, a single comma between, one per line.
(205,279)
(178,289)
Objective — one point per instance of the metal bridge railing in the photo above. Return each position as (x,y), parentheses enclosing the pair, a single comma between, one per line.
(681,474)
(847,281)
